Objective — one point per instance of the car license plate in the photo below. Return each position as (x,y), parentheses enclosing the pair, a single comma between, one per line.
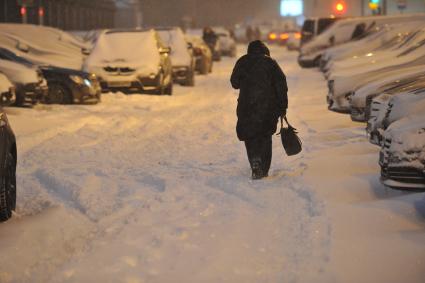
(119,84)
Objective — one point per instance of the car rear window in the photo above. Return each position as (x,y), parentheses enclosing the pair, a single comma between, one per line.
(308,26)
(324,24)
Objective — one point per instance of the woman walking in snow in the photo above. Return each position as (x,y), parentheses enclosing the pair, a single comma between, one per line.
(262,100)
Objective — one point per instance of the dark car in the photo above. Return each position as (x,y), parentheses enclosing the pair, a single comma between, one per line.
(65,86)
(8,158)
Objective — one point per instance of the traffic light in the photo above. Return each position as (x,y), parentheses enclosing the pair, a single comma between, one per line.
(339,7)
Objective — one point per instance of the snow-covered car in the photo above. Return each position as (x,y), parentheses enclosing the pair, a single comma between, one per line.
(66,86)
(375,39)
(361,98)
(43,45)
(394,105)
(402,156)
(30,85)
(7,91)
(8,160)
(315,26)
(181,55)
(342,84)
(131,61)
(202,54)
(226,43)
(343,31)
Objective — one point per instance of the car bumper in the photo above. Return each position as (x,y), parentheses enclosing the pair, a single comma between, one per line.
(181,74)
(403,178)
(357,114)
(143,84)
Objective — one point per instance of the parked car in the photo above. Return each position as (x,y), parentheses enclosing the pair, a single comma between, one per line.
(182,59)
(43,45)
(361,98)
(202,54)
(30,85)
(7,91)
(388,108)
(226,43)
(8,159)
(402,156)
(315,26)
(133,60)
(342,84)
(345,30)
(65,86)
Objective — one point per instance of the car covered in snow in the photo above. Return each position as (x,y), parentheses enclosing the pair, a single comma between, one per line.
(7,91)
(346,30)
(133,60)
(66,86)
(361,98)
(30,85)
(182,59)
(342,84)
(43,45)
(388,108)
(8,160)
(402,156)
(312,27)
(226,43)
(202,54)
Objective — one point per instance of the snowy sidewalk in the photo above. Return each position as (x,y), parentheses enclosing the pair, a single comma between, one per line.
(157,189)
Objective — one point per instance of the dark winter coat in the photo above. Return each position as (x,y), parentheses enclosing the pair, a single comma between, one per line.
(263,92)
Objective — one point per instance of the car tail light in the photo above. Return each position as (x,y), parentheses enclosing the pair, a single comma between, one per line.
(298,35)
(272,36)
(284,36)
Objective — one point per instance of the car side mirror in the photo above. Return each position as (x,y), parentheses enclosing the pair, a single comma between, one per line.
(85,51)
(165,50)
(23,47)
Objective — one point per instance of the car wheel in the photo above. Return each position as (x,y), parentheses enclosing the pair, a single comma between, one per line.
(20,98)
(8,189)
(58,94)
(190,81)
(204,68)
(169,89)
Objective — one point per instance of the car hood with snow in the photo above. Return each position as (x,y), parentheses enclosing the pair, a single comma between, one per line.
(124,53)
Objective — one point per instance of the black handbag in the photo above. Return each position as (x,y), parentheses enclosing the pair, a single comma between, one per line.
(290,140)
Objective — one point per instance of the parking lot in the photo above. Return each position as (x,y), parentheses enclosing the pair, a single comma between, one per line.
(144,188)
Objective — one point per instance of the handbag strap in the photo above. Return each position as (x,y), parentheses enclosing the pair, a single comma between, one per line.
(286,120)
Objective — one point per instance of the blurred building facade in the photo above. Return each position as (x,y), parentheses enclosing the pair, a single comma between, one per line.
(63,14)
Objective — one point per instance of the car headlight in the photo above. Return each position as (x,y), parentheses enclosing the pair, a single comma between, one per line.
(152,76)
(77,79)
(87,82)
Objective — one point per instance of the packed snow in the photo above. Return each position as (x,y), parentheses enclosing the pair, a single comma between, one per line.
(147,188)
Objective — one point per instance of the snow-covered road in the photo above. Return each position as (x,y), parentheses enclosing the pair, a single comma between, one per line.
(157,189)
